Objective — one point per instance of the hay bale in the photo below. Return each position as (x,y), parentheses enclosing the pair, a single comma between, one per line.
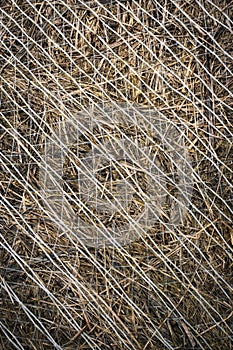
(171,288)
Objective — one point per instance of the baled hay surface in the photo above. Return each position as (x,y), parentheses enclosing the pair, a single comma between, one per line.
(168,289)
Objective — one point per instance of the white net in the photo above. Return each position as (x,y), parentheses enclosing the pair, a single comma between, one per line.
(116,174)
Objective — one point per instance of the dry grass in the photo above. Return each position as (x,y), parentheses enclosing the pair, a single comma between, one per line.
(168,289)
